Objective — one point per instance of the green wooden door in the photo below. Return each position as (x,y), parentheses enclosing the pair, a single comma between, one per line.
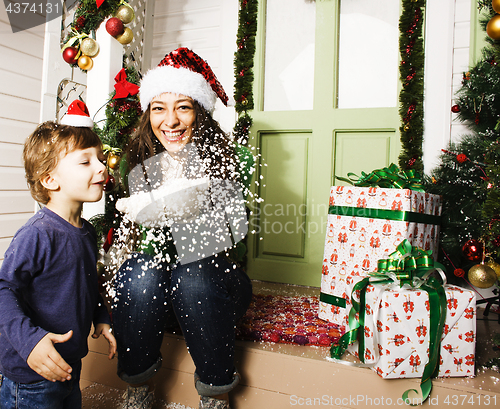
(329,130)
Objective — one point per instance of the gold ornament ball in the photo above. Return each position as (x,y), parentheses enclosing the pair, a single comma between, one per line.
(126,37)
(496,5)
(495,266)
(85,63)
(482,276)
(89,47)
(125,13)
(493,27)
(113,161)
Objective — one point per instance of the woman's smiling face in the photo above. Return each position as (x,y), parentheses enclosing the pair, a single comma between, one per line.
(172,118)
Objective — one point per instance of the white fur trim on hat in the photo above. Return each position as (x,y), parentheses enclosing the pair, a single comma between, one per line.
(180,80)
(77,120)
(77,115)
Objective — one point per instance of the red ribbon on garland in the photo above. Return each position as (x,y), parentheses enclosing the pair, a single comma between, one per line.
(109,240)
(99,3)
(123,87)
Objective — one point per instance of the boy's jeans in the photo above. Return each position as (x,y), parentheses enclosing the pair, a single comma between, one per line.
(42,395)
(207,297)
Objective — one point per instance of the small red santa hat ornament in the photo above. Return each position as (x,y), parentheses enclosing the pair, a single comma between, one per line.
(182,72)
(77,115)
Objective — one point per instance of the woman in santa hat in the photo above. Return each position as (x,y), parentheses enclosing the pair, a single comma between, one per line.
(187,182)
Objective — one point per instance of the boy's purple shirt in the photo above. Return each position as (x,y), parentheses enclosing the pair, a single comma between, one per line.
(48,283)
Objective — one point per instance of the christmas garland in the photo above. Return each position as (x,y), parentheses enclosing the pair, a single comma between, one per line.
(79,45)
(243,68)
(123,111)
(88,16)
(411,97)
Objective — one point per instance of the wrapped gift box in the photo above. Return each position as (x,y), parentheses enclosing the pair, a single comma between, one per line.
(396,332)
(362,231)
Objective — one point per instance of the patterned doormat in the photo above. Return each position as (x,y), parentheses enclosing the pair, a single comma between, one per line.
(285,319)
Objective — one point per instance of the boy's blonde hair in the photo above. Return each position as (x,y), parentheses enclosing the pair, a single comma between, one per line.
(45,146)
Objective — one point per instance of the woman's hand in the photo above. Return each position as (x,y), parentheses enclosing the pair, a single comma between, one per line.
(105,331)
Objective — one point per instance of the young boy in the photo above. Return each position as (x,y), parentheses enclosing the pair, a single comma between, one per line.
(48,280)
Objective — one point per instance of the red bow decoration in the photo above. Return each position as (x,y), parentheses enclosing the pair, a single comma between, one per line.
(123,87)
(109,240)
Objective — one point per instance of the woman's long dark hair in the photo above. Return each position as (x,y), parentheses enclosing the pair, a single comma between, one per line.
(214,147)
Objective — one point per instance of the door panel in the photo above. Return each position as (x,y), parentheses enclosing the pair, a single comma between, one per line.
(351,157)
(301,151)
(284,190)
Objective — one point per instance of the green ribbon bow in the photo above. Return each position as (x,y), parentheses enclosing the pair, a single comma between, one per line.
(391,177)
(108,148)
(411,266)
(406,265)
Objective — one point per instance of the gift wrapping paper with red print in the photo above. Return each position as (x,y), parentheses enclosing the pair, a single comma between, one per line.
(354,244)
(398,340)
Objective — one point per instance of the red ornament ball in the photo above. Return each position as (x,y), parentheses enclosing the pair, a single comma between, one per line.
(455,109)
(473,250)
(109,185)
(69,55)
(114,26)
(461,158)
(459,272)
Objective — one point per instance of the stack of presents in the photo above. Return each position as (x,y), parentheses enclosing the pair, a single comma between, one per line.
(381,283)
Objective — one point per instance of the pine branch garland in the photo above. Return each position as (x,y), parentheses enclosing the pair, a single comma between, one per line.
(243,68)
(411,72)
(88,17)
(122,116)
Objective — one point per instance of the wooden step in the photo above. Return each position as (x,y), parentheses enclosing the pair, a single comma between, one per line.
(281,376)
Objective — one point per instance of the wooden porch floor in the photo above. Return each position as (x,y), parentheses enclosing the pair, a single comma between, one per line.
(282,376)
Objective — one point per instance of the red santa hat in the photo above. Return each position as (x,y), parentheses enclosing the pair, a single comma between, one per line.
(77,115)
(182,72)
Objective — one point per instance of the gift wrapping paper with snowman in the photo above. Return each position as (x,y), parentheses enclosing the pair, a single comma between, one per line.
(397,329)
(366,224)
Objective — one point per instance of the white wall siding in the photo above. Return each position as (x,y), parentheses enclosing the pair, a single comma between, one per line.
(461,58)
(447,51)
(21,57)
(208,27)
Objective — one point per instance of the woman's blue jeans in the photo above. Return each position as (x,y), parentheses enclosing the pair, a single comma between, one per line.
(205,297)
